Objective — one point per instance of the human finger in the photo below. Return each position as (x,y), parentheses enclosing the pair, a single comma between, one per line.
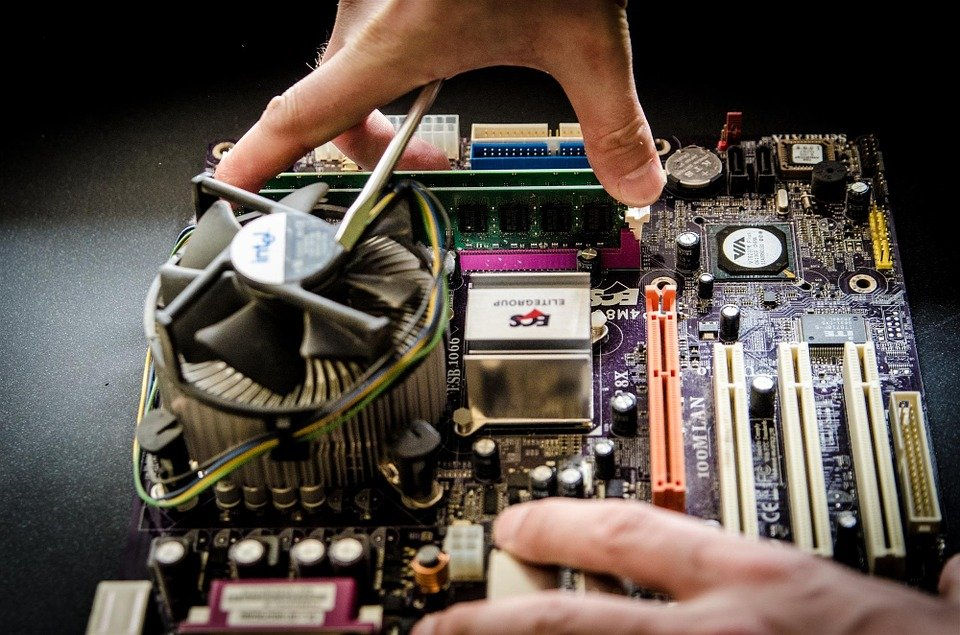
(654,547)
(554,612)
(600,85)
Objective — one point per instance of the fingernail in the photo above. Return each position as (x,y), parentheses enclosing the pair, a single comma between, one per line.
(426,626)
(505,528)
(643,185)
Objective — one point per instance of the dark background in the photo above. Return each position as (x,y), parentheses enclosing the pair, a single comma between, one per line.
(107,126)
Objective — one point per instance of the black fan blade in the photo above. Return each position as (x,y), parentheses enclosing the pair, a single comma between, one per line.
(174,279)
(215,229)
(329,338)
(390,291)
(220,301)
(261,340)
(306,198)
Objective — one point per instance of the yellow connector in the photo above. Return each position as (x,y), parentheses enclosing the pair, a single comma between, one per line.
(918,488)
(880,235)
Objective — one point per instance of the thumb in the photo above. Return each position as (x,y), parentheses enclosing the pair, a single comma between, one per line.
(616,134)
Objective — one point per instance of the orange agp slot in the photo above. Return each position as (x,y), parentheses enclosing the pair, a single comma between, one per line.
(665,409)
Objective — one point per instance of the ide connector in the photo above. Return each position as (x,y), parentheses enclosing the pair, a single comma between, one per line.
(528,352)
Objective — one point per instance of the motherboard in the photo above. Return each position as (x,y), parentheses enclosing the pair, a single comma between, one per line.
(741,351)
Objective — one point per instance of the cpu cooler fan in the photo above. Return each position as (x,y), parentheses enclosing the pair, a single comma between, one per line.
(266,322)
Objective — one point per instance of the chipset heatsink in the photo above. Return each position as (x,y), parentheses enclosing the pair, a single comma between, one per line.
(752,252)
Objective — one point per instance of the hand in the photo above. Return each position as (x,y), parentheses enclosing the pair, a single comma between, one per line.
(724,583)
(380,50)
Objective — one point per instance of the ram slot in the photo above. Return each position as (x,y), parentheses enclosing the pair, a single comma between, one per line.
(738,498)
(870,447)
(806,486)
(918,488)
(667,477)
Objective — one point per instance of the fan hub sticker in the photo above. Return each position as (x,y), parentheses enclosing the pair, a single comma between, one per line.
(283,248)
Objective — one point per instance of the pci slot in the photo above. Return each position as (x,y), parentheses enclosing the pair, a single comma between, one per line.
(918,487)
(870,447)
(806,486)
(738,497)
(667,477)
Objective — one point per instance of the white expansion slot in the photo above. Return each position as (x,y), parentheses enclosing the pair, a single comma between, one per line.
(806,488)
(870,446)
(738,498)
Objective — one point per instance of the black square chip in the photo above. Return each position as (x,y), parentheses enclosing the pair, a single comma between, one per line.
(755,252)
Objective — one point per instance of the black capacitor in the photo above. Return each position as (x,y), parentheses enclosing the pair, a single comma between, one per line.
(688,252)
(349,557)
(605,459)
(705,286)
(176,568)
(729,323)
(249,558)
(486,460)
(543,482)
(570,483)
(858,200)
(828,182)
(623,408)
(762,393)
(588,261)
(308,558)
(161,435)
(846,545)
(414,454)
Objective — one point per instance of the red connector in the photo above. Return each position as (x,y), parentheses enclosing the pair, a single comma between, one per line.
(731,132)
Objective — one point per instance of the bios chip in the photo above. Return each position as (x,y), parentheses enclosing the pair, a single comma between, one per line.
(752,252)
(796,157)
(834,329)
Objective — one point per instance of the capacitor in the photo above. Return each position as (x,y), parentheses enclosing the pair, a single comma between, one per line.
(176,567)
(705,286)
(828,181)
(846,545)
(414,454)
(431,569)
(623,410)
(762,393)
(248,559)
(226,494)
(307,557)
(729,323)
(588,261)
(688,252)
(604,457)
(486,460)
(570,483)
(543,482)
(349,557)
(858,200)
